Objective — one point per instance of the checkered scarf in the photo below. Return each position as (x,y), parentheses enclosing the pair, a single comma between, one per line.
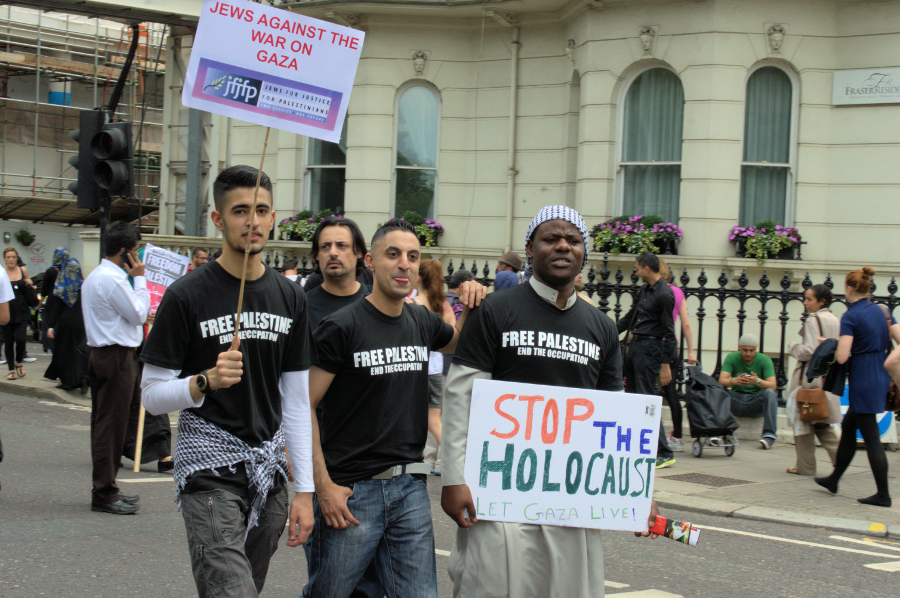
(205,446)
(556,213)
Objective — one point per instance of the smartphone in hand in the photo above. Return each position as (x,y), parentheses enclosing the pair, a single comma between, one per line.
(126,257)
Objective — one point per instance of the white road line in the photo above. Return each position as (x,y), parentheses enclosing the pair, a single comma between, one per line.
(866,542)
(66,405)
(792,541)
(648,594)
(144,480)
(613,584)
(441,552)
(893,566)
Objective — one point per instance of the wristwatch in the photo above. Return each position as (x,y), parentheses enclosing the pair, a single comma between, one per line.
(758,382)
(203,383)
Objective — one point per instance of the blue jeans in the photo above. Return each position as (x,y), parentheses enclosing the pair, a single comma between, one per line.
(395,529)
(754,404)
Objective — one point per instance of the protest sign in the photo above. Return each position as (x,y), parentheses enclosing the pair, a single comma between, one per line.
(161,268)
(550,455)
(271,67)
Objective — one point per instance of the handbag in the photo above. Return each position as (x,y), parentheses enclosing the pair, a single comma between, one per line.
(623,344)
(29,293)
(892,401)
(812,404)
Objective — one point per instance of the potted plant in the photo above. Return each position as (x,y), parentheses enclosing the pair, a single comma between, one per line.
(24,237)
(636,234)
(427,229)
(765,240)
(302,226)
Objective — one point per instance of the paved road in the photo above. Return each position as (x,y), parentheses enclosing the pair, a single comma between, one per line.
(51,544)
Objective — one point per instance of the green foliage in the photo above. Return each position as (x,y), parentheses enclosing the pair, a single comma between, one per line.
(413,218)
(302,226)
(25,237)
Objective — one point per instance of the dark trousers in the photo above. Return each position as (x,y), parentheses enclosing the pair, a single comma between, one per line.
(642,364)
(867,424)
(14,342)
(115,386)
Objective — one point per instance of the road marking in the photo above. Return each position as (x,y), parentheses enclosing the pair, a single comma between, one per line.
(441,552)
(893,566)
(792,541)
(613,584)
(66,405)
(143,480)
(866,541)
(649,594)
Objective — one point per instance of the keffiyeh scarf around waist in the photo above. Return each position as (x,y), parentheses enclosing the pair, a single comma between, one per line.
(204,446)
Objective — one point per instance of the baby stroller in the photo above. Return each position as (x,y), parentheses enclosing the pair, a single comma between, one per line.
(709,413)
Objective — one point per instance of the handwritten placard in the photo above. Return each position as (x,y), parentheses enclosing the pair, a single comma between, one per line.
(162,267)
(272,67)
(551,455)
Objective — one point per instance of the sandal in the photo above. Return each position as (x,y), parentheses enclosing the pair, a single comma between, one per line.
(20,370)
(792,470)
(11,375)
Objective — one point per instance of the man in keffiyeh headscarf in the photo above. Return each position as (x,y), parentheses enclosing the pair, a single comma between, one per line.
(492,558)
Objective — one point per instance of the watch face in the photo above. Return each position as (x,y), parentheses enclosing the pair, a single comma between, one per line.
(201,382)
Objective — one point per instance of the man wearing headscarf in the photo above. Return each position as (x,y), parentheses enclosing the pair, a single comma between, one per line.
(493,558)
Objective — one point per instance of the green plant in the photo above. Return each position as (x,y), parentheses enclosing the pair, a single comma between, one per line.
(765,239)
(25,237)
(634,234)
(413,218)
(302,226)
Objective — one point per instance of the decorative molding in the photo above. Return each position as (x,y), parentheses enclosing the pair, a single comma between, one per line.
(343,18)
(775,40)
(506,19)
(647,36)
(570,50)
(419,60)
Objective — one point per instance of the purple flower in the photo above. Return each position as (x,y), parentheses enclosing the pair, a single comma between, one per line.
(793,239)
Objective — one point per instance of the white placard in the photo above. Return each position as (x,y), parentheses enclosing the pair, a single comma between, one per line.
(866,86)
(272,67)
(162,267)
(550,455)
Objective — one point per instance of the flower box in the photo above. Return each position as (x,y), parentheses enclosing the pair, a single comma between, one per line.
(766,240)
(636,234)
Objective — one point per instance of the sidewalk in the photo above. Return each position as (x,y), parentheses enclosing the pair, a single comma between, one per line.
(752,484)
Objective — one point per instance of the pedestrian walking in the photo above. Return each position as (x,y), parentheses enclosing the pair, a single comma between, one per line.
(6,297)
(48,284)
(652,347)
(241,400)
(371,376)
(670,390)
(113,315)
(866,333)
(516,560)
(820,323)
(15,331)
(65,327)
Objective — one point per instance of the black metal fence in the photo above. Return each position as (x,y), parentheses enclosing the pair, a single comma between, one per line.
(770,304)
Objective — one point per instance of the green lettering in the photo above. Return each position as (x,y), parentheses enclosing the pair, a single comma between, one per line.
(572,485)
(548,486)
(504,466)
(529,517)
(521,484)
(638,492)
(609,479)
(624,464)
(587,477)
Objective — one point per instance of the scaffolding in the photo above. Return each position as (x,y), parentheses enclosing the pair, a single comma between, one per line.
(53,65)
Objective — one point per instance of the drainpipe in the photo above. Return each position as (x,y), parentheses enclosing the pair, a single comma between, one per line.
(512,172)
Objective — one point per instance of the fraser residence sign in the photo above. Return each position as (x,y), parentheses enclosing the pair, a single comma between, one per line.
(866,86)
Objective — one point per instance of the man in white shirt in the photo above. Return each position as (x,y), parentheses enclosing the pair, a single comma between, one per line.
(114,315)
(6,295)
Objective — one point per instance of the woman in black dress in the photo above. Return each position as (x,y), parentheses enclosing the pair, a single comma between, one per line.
(65,326)
(19,314)
(60,257)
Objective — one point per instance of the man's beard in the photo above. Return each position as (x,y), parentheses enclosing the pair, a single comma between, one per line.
(237,247)
(335,274)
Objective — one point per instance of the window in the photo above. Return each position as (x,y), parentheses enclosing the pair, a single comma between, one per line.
(415,166)
(326,167)
(766,169)
(650,165)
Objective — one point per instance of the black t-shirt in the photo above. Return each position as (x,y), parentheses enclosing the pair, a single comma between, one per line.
(195,322)
(375,413)
(518,337)
(321,303)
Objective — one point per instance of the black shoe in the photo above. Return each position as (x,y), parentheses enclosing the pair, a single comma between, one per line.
(827,484)
(118,507)
(165,466)
(131,500)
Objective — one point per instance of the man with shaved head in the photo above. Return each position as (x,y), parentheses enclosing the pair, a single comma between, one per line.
(371,377)
(493,558)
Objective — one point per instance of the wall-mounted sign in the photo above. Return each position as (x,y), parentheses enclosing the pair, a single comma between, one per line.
(866,86)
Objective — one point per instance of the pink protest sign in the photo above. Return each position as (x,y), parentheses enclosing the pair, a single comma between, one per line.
(163,267)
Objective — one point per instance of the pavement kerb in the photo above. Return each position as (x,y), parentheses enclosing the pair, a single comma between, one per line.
(47,394)
(720,508)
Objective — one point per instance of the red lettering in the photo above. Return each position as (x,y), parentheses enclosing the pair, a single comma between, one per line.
(296,46)
(321,31)
(505,415)
(354,43)
(273,59)
(286,26)
(237,12)
(307,49)
(261,56)
(293,64)
(223,9)
(311,32)
(570,415)
(215,8)
(248,16)
(274,22)
(262,20)
(531,400)
(334,36)
(549,436)
(280,42)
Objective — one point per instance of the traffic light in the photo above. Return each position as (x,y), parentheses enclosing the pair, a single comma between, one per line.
(86,189)
(114,169)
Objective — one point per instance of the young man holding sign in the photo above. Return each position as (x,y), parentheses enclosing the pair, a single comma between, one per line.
(371,376)
(509,339)
(240,398)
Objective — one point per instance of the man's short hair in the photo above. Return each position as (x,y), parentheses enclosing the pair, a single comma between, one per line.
(198,250)
(359,242)
(748,340)
(120,235)
(390,226)
(650,260)
(459,277)
(238,177)
(289,265)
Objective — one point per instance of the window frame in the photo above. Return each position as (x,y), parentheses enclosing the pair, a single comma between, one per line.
(308,168)
(619,206)
(790,196)
(437,150)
